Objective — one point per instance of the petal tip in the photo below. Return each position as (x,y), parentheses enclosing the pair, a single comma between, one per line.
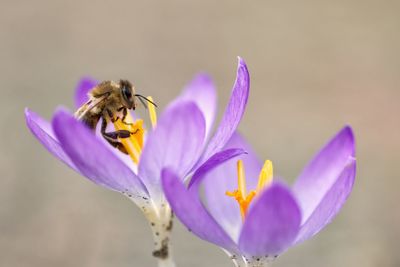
(28,114)
(242,63)
(203,77)
(280,186)
(61,116)
(34,122)
(243,76)
(84,85)
(86,78)
(62,110)
(347,136)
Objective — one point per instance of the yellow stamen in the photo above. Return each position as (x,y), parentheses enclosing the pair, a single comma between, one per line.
(266,176)
(152,113)
(241,196)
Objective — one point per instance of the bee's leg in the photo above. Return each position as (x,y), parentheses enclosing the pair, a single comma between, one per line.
(111,116)
(118,145)
(124,113)
(112,138)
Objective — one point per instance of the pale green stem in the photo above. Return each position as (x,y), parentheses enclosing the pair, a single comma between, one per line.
(160,219)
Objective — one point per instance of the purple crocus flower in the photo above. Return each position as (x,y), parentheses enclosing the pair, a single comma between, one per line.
(271,218)
(178,140)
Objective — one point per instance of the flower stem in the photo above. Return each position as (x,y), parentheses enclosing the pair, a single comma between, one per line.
(237,260)
(160,220)
(166,262)
(241,261)
(256,264)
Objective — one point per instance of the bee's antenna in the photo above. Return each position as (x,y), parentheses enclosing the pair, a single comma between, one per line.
(143,102)
(142,98)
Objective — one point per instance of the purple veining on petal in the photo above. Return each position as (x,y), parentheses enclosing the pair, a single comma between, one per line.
(42,130)
(176,142)
(189,209)
(233,112)
(271,224)
(331,203)
(91,156)
(322,172)
(201,90)
(82,89)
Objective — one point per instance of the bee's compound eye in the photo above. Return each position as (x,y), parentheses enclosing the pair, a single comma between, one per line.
(127,93)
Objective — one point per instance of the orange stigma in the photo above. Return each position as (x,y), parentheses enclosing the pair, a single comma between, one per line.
(241,196)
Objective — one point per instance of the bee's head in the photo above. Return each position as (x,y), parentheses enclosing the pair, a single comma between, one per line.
(128,94)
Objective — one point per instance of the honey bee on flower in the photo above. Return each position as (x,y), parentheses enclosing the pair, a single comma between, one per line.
(110,102)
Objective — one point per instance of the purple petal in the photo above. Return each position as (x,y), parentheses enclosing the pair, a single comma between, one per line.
(190,211)
(82,89)
(330,205)
(201,90)
(224,178)
(233,113)
(213,162)
(42,130)
(220,211)
(272,223)
(93,158)
(323,171)
(176,142)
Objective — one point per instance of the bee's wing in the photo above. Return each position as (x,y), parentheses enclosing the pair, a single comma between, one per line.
(89,105)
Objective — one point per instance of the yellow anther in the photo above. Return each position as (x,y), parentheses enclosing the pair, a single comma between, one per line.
(134,143)
(266,175)
(241,196)
(152,113)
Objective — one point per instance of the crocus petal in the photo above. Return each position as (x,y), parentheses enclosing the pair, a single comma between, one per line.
(223,178)
(330,205)
(82,90)
(271,224)
(42,130)
(91,156)
(213,162)
(190,211)
(176,142)
(201,90)
(233,113)
(323,171)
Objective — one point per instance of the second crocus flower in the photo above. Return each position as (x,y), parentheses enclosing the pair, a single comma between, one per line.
(251,216)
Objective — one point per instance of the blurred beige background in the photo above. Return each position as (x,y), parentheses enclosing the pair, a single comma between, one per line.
(315,66)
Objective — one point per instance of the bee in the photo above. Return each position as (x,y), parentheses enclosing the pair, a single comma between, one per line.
(110,101)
